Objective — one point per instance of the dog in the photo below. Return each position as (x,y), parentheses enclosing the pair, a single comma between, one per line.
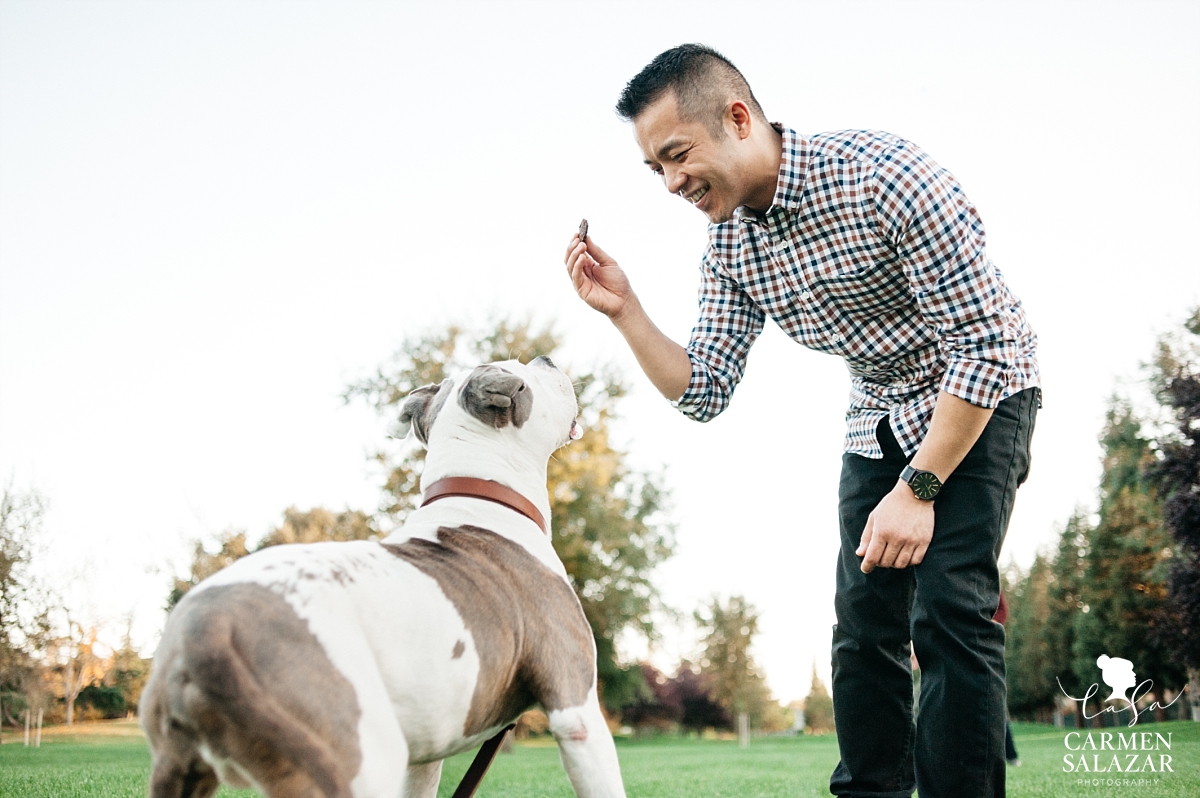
(354,669)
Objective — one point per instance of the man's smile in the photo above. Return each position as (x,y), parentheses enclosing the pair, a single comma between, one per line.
(696,195)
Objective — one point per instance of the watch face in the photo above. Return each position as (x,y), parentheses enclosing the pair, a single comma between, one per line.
(925,485)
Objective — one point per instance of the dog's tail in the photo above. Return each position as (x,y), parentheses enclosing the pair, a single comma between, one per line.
(212,697)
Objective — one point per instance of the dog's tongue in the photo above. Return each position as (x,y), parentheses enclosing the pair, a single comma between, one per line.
(576,431)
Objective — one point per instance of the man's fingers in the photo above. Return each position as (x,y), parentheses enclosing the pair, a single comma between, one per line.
(871,547)
(865,540)
(579,264)
(891,551)
(573,250)
(595,252)
(919,554)
(874,551)
(903,557)
(570,248)
(581,276)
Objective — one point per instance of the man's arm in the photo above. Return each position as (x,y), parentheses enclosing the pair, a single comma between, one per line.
(602,284)
(940,239)
(900,527)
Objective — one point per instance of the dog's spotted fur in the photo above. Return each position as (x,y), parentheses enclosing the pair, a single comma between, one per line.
(352,669)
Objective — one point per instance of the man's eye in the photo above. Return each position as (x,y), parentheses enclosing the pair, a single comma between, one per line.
(657,170)
(680,157)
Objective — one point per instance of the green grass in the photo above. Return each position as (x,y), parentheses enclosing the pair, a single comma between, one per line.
(1041,775)
(110,760)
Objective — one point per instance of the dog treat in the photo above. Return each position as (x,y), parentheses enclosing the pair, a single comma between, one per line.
(583,230)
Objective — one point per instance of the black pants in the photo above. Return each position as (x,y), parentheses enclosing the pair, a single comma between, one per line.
(945,607)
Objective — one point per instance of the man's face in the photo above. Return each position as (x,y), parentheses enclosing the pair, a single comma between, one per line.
(704,171)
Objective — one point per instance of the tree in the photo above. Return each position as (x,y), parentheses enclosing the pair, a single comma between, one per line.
(1065,600)
(692,689)
(299,526)
(76,664)
(1030,674)
(728,631)
(1176,473)
(659,708)
(1129,583)
(1044,603)
(608,519)
(320,525)
(818,706)
(20,520)
(24,623)
(127,673)
(205,564)
(1125,563)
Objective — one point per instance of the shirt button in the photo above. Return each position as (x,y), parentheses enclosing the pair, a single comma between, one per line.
(868,368)
(806,294)
(837,338)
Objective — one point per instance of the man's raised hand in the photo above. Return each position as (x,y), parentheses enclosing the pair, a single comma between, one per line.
(597,278)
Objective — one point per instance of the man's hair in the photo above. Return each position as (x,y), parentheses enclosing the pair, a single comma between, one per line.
(703,80)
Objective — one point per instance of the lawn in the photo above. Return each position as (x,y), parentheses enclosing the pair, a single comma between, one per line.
(110,760)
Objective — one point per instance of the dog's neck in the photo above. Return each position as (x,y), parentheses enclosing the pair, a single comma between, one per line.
(472,488)
(512,467)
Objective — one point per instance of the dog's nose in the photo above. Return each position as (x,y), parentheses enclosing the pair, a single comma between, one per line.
(545,361)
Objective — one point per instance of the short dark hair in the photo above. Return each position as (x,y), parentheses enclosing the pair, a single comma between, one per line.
(704,82)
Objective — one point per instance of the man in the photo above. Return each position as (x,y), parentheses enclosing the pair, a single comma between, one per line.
(856,243)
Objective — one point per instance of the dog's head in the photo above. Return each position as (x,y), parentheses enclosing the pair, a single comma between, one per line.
(534,402)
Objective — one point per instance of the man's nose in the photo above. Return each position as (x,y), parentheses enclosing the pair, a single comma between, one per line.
(675,179)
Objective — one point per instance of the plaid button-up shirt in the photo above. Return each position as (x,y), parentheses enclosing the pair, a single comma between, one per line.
(870,251)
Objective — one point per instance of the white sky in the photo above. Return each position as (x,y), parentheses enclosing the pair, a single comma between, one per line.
(213,216)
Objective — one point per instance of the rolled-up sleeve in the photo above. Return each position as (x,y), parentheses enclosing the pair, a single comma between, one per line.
(940,241)
(729,322)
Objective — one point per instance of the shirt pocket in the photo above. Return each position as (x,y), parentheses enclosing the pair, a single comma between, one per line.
(860,275)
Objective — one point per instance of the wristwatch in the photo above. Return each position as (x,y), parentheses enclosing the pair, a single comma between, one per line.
(925,484)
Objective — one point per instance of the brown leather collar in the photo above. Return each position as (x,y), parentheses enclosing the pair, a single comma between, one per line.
(484,489)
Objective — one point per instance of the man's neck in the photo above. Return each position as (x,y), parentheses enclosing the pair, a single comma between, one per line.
(767,161)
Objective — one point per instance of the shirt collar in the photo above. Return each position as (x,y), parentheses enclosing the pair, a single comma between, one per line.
(793,166)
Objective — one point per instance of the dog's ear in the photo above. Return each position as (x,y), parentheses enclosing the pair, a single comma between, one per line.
(496,397)
(420,408)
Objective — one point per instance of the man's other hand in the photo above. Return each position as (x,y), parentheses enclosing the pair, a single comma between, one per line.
(597,278)
(898,531)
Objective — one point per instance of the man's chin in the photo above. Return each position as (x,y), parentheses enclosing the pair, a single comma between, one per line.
(717,216)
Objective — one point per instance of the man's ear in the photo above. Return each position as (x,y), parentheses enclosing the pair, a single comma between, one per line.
(420,408)
(738,113)
(496,397)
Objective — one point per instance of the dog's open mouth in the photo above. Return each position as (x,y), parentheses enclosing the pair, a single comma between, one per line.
(576,430)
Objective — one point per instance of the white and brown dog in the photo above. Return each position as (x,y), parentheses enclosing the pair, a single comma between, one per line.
(353,669)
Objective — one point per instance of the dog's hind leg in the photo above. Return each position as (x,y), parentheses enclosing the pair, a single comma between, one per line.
(178,770)
(587,750)
(173,779)
(421,781)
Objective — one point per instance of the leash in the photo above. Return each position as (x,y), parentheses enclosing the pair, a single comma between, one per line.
(473,488)
(479,767)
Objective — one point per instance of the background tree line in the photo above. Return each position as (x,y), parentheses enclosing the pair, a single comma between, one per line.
(1125,580)
(722,683)
(611,529)
(51,661)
